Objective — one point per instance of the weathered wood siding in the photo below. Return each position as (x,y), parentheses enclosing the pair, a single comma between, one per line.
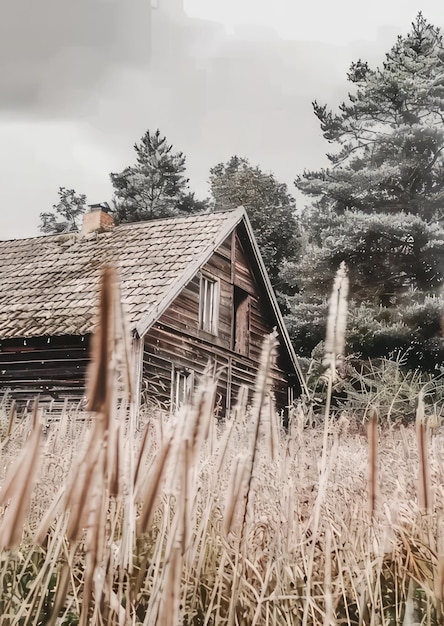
(183,314)
(53,367)
(176,337)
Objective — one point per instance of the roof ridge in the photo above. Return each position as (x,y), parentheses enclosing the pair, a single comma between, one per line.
(177,217)
(122,226)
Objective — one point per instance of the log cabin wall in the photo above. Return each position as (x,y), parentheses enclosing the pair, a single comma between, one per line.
(176,342)
(48,292)
(52,367)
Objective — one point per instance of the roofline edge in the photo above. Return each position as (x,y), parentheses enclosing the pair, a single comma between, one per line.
(269,288)
(145,323)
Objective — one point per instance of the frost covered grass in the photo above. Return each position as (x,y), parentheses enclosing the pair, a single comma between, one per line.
(112,517)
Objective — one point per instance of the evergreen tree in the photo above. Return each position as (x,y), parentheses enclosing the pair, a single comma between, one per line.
(379,206)
(156,186)
(387,254)
(66,214)
(390,133)
(270,208)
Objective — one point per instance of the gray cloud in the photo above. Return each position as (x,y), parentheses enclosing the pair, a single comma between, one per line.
(53,52)
(84,79)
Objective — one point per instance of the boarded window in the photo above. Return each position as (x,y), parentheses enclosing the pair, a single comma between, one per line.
(182,384)
(209,305)
(241,331)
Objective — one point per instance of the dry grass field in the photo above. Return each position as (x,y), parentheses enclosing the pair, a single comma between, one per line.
(116,518)
(183,521)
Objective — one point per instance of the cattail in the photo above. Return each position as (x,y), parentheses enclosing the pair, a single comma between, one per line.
(12,416)
(234,494)
(125,352)
(329,610)
(438,578)
(240,407)
(141,455)
(62,590)
(155,478)
(262,387)
(424,496)
(114,463)
(200,415)
(40,535)
(337,319)
(372,458)
(102,344)
(169,613)
(17,489)
(273,434)
(96,465)
(79,494)
(94,550)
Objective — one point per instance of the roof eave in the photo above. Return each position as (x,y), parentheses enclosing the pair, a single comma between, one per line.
(275,306)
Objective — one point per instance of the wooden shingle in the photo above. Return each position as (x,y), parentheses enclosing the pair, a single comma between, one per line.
(48,284)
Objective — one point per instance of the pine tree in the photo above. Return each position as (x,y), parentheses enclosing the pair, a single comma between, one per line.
(390,133)
(270,208)
(66,214)
(379,206)
(156,186)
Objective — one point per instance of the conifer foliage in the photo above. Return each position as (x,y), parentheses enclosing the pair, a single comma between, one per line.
(390,134)
(379,206)
(66,214)
(270,207)
(156,185)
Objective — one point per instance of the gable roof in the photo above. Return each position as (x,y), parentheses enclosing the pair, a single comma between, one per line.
(49,284)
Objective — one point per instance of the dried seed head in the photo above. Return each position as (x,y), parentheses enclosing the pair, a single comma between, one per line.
(337,319)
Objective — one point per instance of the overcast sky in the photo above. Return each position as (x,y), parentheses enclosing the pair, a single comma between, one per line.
(81,81)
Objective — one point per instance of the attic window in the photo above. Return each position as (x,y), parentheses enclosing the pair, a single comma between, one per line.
(209,304)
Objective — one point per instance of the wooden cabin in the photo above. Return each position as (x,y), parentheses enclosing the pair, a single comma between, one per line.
(194,290)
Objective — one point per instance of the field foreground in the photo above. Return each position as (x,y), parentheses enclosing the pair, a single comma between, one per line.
(122,517)
(149,519)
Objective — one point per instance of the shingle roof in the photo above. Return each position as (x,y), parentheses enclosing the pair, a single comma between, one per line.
(48,285)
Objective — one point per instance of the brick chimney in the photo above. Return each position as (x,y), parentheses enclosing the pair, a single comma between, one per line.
(97,219)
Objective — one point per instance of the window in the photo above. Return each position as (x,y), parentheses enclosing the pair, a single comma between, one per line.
(209,305)
(182,384)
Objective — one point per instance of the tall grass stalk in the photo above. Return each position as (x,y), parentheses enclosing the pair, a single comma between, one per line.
(373,459)
(424,493)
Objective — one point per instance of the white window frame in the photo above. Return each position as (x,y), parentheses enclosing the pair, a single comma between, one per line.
(209,300)
(182,386)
